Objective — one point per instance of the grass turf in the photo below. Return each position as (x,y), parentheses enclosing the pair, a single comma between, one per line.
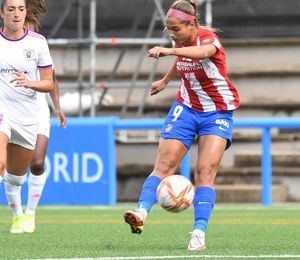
(78,232)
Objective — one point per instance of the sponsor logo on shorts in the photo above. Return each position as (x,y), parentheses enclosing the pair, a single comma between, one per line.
(223,124)
(1,118)
(169,128)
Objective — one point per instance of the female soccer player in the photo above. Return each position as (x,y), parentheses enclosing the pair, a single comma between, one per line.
(25,67)
(36,9)
(203,107)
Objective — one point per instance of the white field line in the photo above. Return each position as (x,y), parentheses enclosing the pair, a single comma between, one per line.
(187,256)
(218,207)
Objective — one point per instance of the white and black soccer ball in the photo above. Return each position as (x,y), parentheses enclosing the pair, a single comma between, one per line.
(175,193)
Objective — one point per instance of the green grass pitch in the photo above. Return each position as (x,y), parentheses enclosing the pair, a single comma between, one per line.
(239,231)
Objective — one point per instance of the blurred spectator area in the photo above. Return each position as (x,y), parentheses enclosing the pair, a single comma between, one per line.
(236,18)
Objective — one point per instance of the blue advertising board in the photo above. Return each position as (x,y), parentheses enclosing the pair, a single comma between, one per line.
(80,164)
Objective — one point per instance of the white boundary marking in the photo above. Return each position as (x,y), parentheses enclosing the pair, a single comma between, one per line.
(186,256)
(218,207)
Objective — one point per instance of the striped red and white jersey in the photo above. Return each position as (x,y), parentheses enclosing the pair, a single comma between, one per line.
(205,85)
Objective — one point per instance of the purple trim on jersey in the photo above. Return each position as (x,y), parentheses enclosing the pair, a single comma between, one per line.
(45,67)
(2,34)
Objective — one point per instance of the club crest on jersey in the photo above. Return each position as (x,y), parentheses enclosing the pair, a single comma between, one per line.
(207,40)
(169,128)
(28,53)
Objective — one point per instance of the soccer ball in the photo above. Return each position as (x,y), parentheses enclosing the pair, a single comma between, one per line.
(175,193)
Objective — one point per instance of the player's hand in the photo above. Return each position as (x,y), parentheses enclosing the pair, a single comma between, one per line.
(157,52)
(62,118)
(157,87)
(20,80)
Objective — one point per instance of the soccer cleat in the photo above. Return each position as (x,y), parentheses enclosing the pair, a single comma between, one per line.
(134,219)
(197,241)
(17,225)
(29,223)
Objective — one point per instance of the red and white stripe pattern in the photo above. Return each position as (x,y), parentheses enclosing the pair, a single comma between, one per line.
(205,84)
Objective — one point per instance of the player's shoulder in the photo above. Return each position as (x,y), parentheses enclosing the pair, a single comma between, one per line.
(35,35)
(205,32)
(208,36)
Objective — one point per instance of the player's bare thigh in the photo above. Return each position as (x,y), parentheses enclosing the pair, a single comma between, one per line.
(169,156)
(18,159)
(210,152)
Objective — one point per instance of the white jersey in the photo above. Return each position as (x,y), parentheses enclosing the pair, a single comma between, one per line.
(26,54)
(44,115)
(43,107)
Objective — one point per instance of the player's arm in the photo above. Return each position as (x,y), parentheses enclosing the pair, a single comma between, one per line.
(160,85)
(45,84)
(54,94)
(172,72)
(195,52)
(191,52)
(46,80)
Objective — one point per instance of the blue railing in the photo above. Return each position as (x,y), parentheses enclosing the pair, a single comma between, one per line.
(266,124)
(266,140)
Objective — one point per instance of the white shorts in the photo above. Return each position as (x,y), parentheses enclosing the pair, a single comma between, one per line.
(44,127)
(44,115)
(23,135)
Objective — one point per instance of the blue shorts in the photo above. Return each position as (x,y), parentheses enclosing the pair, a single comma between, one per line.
(184,124)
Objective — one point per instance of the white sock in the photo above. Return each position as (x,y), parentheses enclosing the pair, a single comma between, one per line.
(13,187)
(1,178)
(36,185)
(143,213)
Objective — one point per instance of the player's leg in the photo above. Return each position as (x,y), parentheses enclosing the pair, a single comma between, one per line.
(36,182)
(18,159)
(177,135)
(214,138)
(5,134)
(211,149)
(3,153)
(170,153)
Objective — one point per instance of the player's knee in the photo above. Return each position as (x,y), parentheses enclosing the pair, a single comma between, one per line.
(37,167)
(14,179)
(165,167)
(206,173)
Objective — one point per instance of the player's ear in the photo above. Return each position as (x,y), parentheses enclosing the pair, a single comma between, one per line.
(193,23)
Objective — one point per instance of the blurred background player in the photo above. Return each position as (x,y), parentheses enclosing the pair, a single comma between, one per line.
(26,67)
(203,107)
(36,9)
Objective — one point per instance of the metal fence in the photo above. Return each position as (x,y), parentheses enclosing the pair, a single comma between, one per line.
(93,42)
